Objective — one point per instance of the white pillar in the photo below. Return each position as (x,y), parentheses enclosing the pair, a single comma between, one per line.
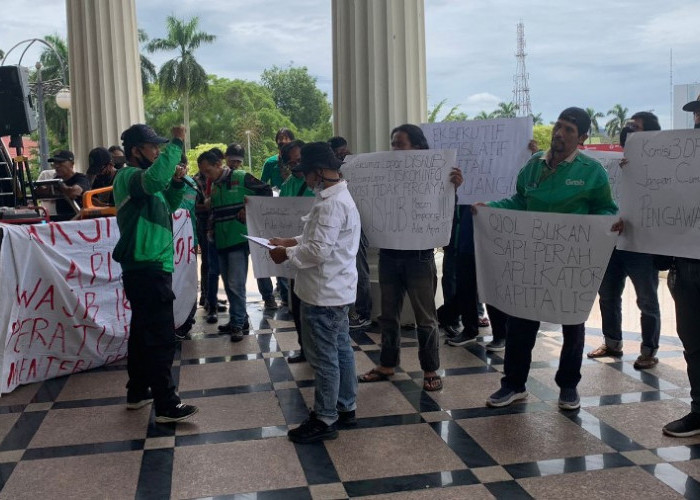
(105,73)
(379,78)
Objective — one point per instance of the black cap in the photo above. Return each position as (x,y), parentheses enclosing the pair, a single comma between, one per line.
(692,106)
(62,155)
(97,159)
(236,152)
(140,134)
(578,117)
(317,155)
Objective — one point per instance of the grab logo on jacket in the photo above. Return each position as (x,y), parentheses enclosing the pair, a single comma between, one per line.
(575,182)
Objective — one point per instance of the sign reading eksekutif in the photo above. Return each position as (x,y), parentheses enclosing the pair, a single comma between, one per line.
(405,198)
(269,217)
(611,163)
(64,309)
(490,154)
(660,195)
(541,266)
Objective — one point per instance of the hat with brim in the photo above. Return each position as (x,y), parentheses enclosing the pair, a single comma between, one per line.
(315,156)
(63,155)
(141,134)
(693,106)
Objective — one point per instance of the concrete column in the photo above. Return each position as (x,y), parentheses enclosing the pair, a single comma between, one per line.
(379,78)
(105,73)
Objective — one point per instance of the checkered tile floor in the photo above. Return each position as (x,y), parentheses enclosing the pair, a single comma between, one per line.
(73,438)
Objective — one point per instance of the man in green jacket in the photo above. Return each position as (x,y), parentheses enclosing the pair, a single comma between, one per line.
(561,180)
(146,192)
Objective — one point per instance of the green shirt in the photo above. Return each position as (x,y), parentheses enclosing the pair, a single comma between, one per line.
(579,185)
(271,172)
(293,185)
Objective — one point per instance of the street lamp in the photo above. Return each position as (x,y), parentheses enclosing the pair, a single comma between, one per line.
(63,98)
(250,168)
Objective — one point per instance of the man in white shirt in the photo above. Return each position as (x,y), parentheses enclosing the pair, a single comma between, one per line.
(326,283)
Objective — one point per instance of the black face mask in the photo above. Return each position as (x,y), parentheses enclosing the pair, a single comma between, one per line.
(142,161)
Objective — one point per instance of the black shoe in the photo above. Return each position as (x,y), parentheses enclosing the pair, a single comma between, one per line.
(463,338)
(236,334)
(346,419)
(135,402)
(212,317)
(312,430)
(271,304)
(684,427)
(182,334)
(221,308)
(176,413)
(246,326)
(225,328)
(297,358)
(451,331)
(202,300)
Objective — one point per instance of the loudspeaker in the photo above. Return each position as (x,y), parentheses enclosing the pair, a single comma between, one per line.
(17,112)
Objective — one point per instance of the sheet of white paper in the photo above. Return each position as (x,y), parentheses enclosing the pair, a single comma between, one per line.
(263,242)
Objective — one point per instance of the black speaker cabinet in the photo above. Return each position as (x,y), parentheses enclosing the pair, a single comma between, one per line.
(17,113)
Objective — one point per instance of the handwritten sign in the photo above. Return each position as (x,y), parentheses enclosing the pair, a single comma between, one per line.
(659,196)
(611,163)
(490,154)
(268,217)
(541,266)
(405,198)
(64,309)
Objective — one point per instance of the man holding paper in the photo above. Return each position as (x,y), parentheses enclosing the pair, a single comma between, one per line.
(326,283)
(561,180)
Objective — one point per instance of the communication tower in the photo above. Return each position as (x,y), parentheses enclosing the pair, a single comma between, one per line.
(521,87)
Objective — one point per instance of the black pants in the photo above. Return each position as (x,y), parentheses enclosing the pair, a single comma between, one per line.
(296,312)
(152,337)
(684,284)
(521,337)
(499,322)
(203,254)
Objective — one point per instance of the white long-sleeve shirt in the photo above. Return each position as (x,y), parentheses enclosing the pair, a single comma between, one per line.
(325,252)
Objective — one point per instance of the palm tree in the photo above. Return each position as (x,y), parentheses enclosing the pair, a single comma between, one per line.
(506,110)
(618,120)
(594,115)
(148,69)
(483,115)
(182,76)
(537,119)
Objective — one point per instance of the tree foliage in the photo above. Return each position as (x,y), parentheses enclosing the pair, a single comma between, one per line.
(542,134)
(618,120)
(295,93)
(453,115)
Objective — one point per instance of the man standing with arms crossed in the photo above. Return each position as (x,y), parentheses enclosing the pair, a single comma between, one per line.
(146,192)
(326,283)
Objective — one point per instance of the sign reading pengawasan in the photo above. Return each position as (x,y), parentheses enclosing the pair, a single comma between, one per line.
(63,309)
(405,198)
(270,217)
(660,193)
(541,266)
(490,154)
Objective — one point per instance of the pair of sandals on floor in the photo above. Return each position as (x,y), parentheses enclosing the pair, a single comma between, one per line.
(432,383)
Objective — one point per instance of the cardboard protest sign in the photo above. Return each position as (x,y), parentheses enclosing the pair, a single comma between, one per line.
(269,217)
(660,193)
(490,154)
(405,198)
(64,308)
(611,163)
(541,266)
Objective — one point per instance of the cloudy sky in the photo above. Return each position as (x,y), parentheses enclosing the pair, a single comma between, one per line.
(590,54)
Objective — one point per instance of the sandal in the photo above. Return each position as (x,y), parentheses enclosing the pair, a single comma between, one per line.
(433,383)
(604,351)
(373,375)
(484,322)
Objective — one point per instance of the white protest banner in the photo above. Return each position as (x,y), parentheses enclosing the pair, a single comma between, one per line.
(405,198)
(541,266)
(660,193)
(490,154)
(269,217)
(611,163)
(64,308)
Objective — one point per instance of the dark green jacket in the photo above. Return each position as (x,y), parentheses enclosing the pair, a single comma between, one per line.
(146,199)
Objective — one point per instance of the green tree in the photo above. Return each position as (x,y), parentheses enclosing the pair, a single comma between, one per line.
(594,115)
(453,115)
(542,134)
(618,120)
(483,115)
(537,119)
(506,110)
(53,63)
(182,76)
(295,93)
(148,69)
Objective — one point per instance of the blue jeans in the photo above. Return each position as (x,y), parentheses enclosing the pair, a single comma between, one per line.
(363,302)
(265,288)
(645,278)
(325,332)
(212,276)
(234,271)
(283,287)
